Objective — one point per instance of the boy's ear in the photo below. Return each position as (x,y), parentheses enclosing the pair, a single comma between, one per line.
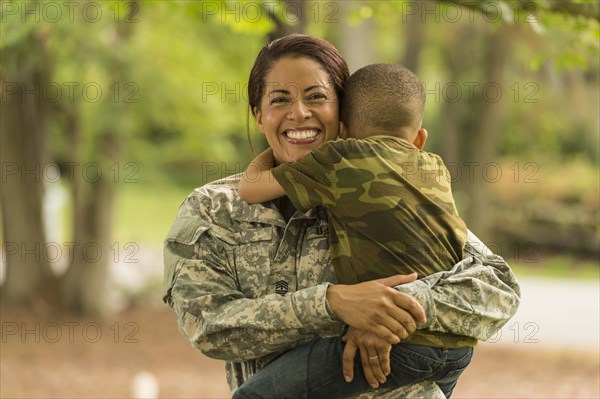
(343,134)
(258,116)
(420,139)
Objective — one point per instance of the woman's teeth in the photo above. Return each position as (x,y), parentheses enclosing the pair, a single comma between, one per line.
(302,134)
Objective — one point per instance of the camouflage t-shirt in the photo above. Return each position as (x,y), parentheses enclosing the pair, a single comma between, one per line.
(390,206)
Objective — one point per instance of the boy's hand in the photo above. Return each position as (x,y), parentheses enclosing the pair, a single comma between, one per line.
(374,356)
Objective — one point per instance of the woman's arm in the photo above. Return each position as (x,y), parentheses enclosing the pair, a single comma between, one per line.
(217,319)
(257,183)
(475,298)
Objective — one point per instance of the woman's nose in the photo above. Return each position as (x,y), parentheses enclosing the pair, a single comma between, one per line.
(299,111)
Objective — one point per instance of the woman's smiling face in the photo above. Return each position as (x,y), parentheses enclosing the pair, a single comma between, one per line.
(299,108)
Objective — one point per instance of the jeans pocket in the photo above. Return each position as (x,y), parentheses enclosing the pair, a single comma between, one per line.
(461,358)
(412,361)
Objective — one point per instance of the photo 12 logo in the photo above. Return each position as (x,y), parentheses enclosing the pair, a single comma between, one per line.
(69,11)
(470,91)
(53,92)
(88,172)
(68,331)
(56,252)
(470,11)
(273,11)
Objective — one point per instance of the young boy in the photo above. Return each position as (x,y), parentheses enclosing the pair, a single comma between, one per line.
(390,209)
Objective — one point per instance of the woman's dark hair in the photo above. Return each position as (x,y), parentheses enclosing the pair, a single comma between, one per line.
(295,45)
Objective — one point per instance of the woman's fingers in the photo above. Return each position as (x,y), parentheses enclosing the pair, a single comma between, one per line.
(410,304)
(397,279)
(385,333)
(367,369)
(375,363)
(401,322)
(374,355)
(374,307)
(394,321)
(402,300)
(348,359)
(384,361)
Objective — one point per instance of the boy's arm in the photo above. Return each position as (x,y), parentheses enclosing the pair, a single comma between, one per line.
(258,183)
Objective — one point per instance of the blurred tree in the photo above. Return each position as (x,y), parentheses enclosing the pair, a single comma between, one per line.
(39,52)
(357,34)
(83,287)
(26,66)
(293,19)
(414,34)
(26,132)
(584,8)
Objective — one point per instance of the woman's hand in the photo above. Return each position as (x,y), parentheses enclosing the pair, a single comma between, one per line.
(375,307)
(374,356)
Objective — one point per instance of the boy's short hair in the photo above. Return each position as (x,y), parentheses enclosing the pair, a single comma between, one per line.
(383,98)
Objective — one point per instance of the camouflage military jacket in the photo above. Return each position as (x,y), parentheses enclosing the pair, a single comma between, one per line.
(245,285)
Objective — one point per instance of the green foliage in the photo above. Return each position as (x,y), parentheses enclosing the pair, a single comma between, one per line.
(575,40)
(173,76)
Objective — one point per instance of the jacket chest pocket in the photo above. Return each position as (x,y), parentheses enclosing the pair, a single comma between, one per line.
(252,254)
(315,262)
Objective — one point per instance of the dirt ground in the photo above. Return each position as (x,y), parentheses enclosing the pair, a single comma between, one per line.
(66,357)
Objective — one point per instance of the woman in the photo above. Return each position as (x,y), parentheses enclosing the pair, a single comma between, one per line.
(247,282)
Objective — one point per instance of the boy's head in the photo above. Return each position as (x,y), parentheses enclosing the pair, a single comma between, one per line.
(383,99)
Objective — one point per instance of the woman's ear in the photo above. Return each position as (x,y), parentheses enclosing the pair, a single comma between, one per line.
(258,116)
(420,139)
(342,133)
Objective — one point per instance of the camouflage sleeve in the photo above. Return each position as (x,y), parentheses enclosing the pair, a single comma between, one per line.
(475,298)
(420,390)
(310,182)
(216,317)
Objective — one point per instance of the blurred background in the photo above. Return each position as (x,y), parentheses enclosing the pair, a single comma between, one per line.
(113,112)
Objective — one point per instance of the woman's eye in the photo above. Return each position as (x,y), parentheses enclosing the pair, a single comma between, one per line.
(317,97)
(279,100)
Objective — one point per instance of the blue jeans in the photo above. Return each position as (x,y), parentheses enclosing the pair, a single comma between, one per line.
(314,370)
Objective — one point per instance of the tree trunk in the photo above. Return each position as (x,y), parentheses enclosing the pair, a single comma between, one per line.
(293,19)
(356,42)
(84,285)
(488,127)
(471,124)
(414,33)
(23,149)
(452,116)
